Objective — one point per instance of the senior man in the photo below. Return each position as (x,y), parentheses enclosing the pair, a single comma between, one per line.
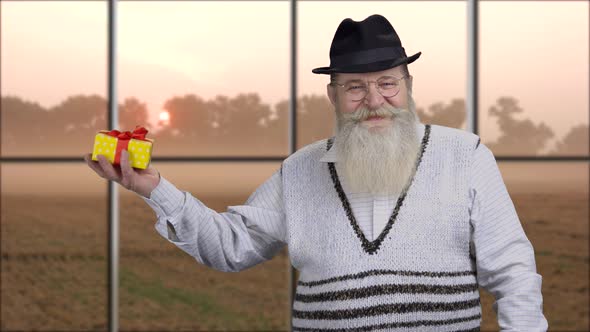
(393,224)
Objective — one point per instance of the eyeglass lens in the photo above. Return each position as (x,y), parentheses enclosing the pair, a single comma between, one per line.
(388,86)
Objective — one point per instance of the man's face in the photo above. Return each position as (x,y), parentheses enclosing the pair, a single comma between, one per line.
(373,100)
(376,156)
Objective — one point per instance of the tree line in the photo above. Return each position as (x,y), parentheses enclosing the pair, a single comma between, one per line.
(242,125)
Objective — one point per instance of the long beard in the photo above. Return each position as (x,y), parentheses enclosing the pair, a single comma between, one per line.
(378,162)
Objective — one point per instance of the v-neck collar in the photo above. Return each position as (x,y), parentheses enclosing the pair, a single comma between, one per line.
(371,247)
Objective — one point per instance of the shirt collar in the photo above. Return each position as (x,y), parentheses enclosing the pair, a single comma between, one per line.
(331,157)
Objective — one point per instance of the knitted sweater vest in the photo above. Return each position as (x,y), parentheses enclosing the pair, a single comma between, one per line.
(417,275)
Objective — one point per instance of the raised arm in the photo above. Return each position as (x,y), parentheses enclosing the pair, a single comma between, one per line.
(240,238)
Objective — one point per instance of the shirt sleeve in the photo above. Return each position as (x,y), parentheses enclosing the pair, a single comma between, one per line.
(243,236)
(504,256)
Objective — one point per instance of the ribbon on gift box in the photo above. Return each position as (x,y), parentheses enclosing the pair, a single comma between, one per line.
(124,137)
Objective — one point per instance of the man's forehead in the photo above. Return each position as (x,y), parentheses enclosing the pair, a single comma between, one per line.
(396,71)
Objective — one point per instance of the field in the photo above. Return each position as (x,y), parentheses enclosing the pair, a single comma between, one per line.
(54,269)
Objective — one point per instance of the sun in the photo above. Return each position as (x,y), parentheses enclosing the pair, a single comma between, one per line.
(164,116)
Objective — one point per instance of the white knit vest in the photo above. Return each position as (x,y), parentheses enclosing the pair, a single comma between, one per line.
(417,275)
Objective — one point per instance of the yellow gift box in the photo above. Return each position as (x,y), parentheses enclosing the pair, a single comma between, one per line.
(111,143)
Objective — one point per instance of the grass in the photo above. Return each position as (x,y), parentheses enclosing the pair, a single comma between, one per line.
(544,253)
(563,267)
(80,298)
(188,303)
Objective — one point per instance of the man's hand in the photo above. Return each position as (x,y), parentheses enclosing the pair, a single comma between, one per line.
(141,181)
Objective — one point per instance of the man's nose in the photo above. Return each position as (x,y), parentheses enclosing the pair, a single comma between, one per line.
(373,99)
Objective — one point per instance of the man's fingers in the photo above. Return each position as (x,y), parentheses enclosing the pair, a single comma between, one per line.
(94,165)
(126,170)
(108,169)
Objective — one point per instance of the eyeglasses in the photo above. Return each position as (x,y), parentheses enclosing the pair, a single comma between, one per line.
(356,90)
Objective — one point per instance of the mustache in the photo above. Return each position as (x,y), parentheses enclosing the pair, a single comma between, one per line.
(361,114)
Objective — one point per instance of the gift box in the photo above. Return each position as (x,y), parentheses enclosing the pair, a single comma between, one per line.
(111,143)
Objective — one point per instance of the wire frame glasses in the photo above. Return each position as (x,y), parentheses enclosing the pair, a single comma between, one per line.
(356,90)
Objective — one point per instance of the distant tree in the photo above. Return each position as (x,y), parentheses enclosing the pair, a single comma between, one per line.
(132,113)
(74,122)
(277,127)
(242,114)
(279,115)
(79,115)
(190,115)
(243,122)
(68,127)
(451,115)
(517,136)
(219,116)
(315,119)
(574,143)
(24,124)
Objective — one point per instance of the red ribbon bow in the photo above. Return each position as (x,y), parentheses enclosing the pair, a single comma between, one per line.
(124,138)
(138,133)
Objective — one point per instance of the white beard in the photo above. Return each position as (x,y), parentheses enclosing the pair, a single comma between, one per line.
(378,162)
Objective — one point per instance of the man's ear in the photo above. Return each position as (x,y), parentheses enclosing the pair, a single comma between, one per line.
(331,91)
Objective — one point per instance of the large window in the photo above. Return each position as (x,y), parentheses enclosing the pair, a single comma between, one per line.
(533,114)
(533,73)
(54,212)
(225,88)
(210,75)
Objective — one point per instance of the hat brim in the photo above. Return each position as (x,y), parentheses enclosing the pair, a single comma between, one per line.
(369,67)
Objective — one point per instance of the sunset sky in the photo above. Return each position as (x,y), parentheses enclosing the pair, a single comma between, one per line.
(534,51)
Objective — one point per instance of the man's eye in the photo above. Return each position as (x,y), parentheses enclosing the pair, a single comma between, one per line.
(357,87)
(388,85)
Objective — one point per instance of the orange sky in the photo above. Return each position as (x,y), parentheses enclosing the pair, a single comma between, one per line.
(534,51)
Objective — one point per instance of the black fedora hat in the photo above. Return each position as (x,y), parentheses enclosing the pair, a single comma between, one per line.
(366,46)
